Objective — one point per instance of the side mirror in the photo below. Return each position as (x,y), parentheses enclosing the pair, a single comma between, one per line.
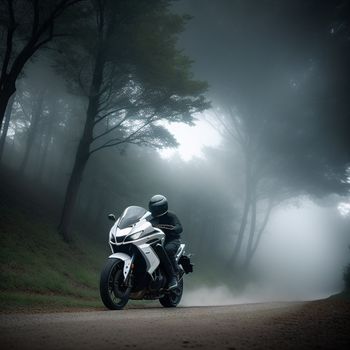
(112,217)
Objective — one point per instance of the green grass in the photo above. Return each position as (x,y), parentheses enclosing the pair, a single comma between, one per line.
(28,302)
(38,269)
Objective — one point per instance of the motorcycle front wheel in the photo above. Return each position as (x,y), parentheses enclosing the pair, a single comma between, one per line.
(173,297)
(114,293)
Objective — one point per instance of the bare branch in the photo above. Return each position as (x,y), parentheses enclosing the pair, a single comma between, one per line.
(128,139)
(241,138)
(226,127)
(34,42)
(48,23)
(111,129)
(263,226)
(9,42)
(23,110)
(113,111)
(36,17)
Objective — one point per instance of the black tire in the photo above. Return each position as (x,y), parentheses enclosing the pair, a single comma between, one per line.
(113,294)
(173,297)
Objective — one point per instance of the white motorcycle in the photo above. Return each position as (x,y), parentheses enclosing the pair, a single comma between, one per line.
(139,266)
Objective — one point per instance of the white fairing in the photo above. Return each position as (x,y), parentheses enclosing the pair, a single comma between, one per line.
(140,234)
(117,232)
(144,226)
(127,262)
(152,260)
(150,256)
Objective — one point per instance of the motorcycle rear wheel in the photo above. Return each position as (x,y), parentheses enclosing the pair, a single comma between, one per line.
(174,296)
(113,293)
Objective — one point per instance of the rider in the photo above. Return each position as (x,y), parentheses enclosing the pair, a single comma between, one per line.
(171,226)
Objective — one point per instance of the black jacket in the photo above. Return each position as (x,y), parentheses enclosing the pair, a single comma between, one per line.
(169,224)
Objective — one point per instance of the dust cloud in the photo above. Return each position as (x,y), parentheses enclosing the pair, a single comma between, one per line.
(302,257)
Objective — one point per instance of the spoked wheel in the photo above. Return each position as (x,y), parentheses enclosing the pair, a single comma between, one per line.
(114,293)
(173,297)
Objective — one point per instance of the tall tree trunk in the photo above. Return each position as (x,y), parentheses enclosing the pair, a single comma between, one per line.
(244,220)
(252,223)
(45,145)
(81,159)
(6,92)
(6,124)
(83,152)
(42,162)
(36,114)
(61,166)
(255,244)
(8,81)
(42,32)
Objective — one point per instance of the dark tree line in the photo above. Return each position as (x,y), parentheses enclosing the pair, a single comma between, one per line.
(120,57)
(135,78)
(26,27)
(85,82)
(280,88)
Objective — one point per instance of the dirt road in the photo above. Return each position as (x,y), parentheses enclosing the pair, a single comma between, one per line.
(315,325)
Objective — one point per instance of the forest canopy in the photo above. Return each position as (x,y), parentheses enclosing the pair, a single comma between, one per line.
(88,89)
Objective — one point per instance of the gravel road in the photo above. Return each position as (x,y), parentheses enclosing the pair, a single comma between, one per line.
(313,325)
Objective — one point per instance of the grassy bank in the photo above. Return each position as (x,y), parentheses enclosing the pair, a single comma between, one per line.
(40,271)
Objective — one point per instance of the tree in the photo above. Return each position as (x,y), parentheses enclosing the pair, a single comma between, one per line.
(46,137)
(257,184)
(36,111)
(27,26)
(282,82)
(6,124)
(134,78)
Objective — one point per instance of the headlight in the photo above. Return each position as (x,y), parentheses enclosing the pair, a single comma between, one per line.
(134,236)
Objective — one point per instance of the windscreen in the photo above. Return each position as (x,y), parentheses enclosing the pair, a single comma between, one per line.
(130,216)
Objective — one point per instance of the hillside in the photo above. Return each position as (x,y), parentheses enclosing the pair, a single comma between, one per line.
(38,270)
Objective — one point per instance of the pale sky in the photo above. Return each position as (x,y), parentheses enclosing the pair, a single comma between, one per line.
(344,208)
(192,139)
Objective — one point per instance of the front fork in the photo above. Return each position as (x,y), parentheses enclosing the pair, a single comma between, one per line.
(127,261)
(129,272)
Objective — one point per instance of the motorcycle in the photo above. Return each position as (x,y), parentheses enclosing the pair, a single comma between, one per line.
(139,266)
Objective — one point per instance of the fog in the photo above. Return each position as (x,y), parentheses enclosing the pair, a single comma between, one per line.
(192,139)
(238,115)
(303,261)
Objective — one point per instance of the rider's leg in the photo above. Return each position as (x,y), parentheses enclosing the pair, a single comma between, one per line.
(171,247)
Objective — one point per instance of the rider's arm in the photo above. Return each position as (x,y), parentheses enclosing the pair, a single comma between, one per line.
(175,222)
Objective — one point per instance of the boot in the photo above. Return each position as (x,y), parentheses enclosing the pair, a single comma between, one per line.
(168,267)
(172,282)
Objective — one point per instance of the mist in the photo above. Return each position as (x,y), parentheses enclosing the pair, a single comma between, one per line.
(239,115)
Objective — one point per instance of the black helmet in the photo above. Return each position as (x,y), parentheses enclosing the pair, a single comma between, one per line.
(158,205)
